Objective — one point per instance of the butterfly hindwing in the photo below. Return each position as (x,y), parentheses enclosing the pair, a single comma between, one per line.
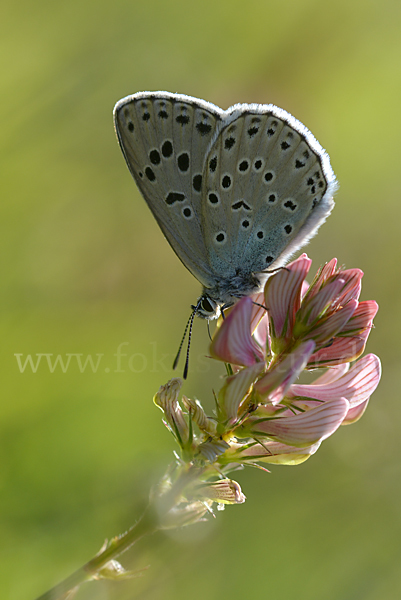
(268,186)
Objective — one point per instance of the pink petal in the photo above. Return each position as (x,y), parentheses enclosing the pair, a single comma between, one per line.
(355,413)
(362,317)
(233,342)
(275,453)
(322,276)
(356,385)
(274,385)
(258,312)
(304,288)
(334,324)
(225,491)
(306,428)
(352,287)
(312,308)
(167,400)
(261,334)
(235,389)
(332,374)
(343,349)
(283,295)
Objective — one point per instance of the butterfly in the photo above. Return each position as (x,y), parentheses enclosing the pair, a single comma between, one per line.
(236,192)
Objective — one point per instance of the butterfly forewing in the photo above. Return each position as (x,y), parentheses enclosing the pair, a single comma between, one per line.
(164,138)
(264,180)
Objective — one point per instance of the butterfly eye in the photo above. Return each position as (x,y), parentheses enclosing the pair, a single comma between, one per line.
(206,305)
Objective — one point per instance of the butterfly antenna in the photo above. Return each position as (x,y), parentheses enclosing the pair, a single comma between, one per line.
(191,322)
(175,363)
(261,305)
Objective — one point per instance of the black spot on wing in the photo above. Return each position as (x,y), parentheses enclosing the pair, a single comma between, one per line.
(167,149)
(290,205)
(241,204)
(203,128)
(213,164)
(183,161)
(272,128)
(226,182)
(150,174)
(229,143)
(173,197)
(252,131)
(197,182)
(154,157)
(213,198)
(182,120)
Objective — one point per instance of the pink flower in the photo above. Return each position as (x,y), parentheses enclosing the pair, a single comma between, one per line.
(303,326)
(326,312)
(262,414)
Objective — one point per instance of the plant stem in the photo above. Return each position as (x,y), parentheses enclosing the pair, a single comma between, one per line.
(145,526)
(151,521)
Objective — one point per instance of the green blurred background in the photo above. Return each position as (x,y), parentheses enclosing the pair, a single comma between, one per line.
(86,269)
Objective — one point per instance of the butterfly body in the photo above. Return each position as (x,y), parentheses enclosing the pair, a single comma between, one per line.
(235,192)
(226,292)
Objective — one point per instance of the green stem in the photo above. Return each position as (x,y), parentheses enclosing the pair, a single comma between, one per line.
(150,522)
(145,526)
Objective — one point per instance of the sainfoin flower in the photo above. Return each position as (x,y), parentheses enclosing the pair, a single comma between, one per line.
(263,413)
(300,327)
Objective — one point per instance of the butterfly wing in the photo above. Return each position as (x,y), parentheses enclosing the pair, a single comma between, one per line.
(268,187)
(164,138)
